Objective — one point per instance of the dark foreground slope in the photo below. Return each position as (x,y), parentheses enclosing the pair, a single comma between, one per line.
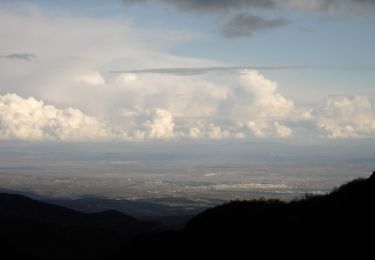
(337,225)
(31,229)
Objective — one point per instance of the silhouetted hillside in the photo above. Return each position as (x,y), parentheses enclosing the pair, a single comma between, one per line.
(336,225)
(32,229)
(339,224)
(168,215)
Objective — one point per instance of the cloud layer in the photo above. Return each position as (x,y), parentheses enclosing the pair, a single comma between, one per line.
(69,94)
(170,107)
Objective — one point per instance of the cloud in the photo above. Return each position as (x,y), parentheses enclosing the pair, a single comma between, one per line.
(154,108)
(246,24)
(259,106)
(243,21)
(240,24)
(162,125)
(312,5)
(73,70)
(358,7)
(362,7)
(282,131)
(32,120)
(203,70)
(347,117)
(212,5)
(19,56)
(185,97)
(86,102)
(93,78)
(193,107)
(215,132)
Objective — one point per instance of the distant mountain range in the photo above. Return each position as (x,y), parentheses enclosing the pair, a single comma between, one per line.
(33,229)
(337,225)
(154,209)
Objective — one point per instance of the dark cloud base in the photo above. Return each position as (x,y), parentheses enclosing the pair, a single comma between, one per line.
(244,23)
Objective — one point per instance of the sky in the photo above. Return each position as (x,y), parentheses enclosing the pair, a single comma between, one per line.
(187,71)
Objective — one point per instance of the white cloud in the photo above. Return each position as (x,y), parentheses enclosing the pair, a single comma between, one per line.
(263,97)
(195,133)
(30,119)
(184,96)
(259,106)
(202,108)
(76,51)
(162,125)
(347,117)
(165,106)
(255,129)
(340,117)
(126,78)
(215,132)
(148,105)
(93,78)
(282,131)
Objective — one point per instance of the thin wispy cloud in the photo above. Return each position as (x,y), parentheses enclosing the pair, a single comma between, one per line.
(19,56)
(204,70)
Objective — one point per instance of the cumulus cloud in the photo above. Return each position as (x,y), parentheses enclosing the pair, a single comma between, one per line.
(215,132)
(282,131)
(347,117)
(259,105)
(187,97)
(155,108)
(195,133)
(30,119)
(193,107)
(162,125)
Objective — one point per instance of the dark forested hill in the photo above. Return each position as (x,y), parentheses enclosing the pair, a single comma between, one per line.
(336,225)
(32,229)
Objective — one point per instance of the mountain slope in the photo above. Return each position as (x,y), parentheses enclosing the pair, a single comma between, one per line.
(32,229)
(336,225)
(339,224)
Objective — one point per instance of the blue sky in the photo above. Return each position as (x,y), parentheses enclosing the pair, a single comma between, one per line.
(53,53)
